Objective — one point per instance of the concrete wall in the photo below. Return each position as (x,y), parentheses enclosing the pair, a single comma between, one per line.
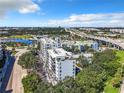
(65,68)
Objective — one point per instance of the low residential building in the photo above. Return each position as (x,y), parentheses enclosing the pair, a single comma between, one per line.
(95,46)
(88,56)
(81,44)
(117,31)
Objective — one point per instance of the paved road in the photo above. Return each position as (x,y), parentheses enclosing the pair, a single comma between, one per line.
(15,73)
(18,73)
(122,88)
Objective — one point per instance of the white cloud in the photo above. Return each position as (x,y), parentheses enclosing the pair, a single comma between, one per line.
(29,9)
(22,6)
(109,19)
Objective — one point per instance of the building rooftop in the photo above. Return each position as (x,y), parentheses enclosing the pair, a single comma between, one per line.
(47,40)
(59,52)
(88,42)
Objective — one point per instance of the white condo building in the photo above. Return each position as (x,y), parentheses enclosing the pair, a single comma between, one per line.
(45,44)
(61,63)
(48,43)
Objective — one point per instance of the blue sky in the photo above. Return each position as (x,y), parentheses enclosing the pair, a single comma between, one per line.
(61,13)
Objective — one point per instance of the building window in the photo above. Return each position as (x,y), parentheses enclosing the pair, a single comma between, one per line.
(60,64)
(60,67)
(60,71)
(60,78)
(1,80)
(73,72)
(73,66)
(58,59)
(73,62)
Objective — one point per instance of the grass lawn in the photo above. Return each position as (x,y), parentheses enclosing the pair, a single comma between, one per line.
(121,55)
(109,88)
(21,36)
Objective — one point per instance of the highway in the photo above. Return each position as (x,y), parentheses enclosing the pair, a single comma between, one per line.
(118,43)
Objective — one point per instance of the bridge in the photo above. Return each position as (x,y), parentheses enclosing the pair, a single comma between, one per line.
(116,43)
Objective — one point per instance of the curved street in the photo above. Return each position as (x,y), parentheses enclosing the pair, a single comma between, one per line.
(15,81)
